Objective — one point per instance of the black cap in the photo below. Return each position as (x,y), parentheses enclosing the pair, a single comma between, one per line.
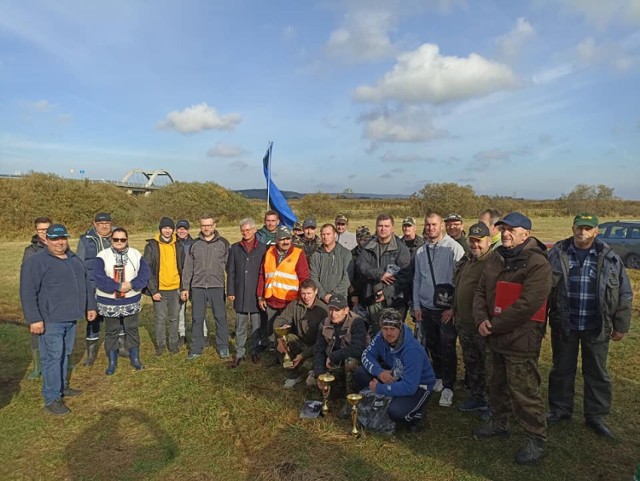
(102,217)
(56,231)
(166,222)
(479,231)
(183,223)
(337,301)
(310,222)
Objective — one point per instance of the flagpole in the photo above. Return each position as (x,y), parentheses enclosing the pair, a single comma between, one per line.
(269,174)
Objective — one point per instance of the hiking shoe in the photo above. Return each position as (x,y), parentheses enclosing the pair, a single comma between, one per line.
(531,452)
(438,386)
(159,351)
(446,398)
(290,383)
(555,418)
(473,405)
(70,392)
(416,426)
(224,354)
(490,429)
(57,408)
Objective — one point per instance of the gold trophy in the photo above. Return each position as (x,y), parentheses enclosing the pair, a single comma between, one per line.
(326,379)
(354,399)
(282,331)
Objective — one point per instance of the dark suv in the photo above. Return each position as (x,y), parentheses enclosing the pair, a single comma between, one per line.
(624,238)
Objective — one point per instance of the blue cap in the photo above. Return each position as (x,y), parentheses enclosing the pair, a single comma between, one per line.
(55,231)
(516,219)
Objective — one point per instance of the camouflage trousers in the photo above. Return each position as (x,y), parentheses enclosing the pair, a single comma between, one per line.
(514,384)
(474,356)
(296,346)
(345,376)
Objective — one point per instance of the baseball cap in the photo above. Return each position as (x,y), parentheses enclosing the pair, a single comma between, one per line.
(453,217)
(297,226)
(516,219)
(337,301)
(585,219)
(283,233)
(341,218)
(479,231)
(56,231)
(183,223)
(391,317)
(102,217)
(310,222)
(363,232)
(409,221)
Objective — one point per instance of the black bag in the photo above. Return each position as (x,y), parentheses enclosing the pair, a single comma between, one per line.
(372,413)
(442,293)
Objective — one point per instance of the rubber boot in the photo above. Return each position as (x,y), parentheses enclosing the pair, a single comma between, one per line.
(113,362)
(37,366)
(122,351)
(92,352)
(134,356)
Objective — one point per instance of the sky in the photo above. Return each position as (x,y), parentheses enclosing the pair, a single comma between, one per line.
(526,98)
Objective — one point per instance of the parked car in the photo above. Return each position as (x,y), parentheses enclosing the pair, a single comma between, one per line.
(624,238)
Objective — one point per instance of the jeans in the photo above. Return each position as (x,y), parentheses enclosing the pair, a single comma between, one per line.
(440,341)
(401,408)
(200,298)
(242,324)
(166,312)
(132,335)
(56,345)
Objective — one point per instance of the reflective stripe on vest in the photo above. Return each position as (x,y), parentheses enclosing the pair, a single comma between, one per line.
(281,281)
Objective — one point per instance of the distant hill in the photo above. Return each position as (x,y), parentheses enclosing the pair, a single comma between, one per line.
(261,194)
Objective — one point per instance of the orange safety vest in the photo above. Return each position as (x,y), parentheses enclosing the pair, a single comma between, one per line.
(281,280)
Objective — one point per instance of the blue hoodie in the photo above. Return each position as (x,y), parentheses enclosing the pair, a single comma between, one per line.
(407,361)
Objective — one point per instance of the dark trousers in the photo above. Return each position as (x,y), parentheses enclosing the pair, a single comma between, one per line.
(266,327)
(200,299)
(440,342)
(474,356)
(514,384)
(402,408)
(167,311)
(597,384)
(56,345)
(93,328)
(113,328)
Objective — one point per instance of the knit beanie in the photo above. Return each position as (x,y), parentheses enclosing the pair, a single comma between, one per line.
(166,222)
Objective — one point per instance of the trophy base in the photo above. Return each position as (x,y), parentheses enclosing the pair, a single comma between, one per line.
(287,364)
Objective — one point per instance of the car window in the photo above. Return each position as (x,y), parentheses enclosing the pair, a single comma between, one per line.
(618,232)
(635,233)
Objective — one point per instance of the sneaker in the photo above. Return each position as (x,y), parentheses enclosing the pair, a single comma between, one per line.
(446,398)
(473,405)
(290,383)
(57,408)
(193,356)
(416,426)
(438,386)
(531,452)
(224,354)
(490,429)
(70,392)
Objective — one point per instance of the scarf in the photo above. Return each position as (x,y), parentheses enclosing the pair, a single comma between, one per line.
(121,256)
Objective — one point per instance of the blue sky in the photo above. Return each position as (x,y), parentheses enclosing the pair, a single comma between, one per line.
(526,98)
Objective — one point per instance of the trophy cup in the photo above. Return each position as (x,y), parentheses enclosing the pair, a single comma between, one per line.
(282,331)
(354,399)
(326,379)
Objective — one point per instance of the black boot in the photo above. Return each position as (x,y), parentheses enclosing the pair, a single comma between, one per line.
(113,362)
(134,356)
(37,366)
(92,352)
(122,351)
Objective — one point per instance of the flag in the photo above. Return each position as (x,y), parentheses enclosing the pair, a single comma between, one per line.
(276,199)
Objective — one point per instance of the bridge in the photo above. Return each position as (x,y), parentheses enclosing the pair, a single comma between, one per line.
(143,188)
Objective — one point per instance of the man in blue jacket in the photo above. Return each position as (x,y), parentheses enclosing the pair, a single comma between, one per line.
(396,365)
(55,292)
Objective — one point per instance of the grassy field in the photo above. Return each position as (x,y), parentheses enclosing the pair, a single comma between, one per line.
(200,420)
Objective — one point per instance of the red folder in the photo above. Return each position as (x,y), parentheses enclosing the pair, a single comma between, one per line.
(507,293)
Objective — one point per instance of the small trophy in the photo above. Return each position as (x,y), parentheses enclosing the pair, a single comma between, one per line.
(282,331)
(326,379)
(354,399)
(118,276)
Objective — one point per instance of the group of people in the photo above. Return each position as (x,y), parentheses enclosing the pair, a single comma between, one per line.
(338,302)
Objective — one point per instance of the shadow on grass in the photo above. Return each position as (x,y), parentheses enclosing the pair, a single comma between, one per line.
(121,444)
(15,360)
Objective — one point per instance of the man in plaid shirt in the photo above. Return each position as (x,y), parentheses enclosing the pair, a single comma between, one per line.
(590,305)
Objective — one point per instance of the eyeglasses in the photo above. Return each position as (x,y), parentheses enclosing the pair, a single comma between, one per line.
(341,223)
(118,239)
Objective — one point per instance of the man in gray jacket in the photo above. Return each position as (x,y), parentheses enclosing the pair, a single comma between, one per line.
(331,265)
(203,281)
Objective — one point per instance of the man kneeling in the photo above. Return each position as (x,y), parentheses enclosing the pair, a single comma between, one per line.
(396,365)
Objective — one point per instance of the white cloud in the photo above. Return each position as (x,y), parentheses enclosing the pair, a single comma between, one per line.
(364,36)
(603,13)
(487,159)
(198,118)
(401,125)
(391,158)
(590,52)
(225,150)
(40,106)
(424,75)
(510,44)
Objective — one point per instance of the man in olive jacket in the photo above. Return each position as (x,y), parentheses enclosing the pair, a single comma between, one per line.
(513,338)
(590,305)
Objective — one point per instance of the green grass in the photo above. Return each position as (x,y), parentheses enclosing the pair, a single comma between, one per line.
(200,420)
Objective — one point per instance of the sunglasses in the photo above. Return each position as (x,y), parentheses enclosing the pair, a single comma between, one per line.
(118,239)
